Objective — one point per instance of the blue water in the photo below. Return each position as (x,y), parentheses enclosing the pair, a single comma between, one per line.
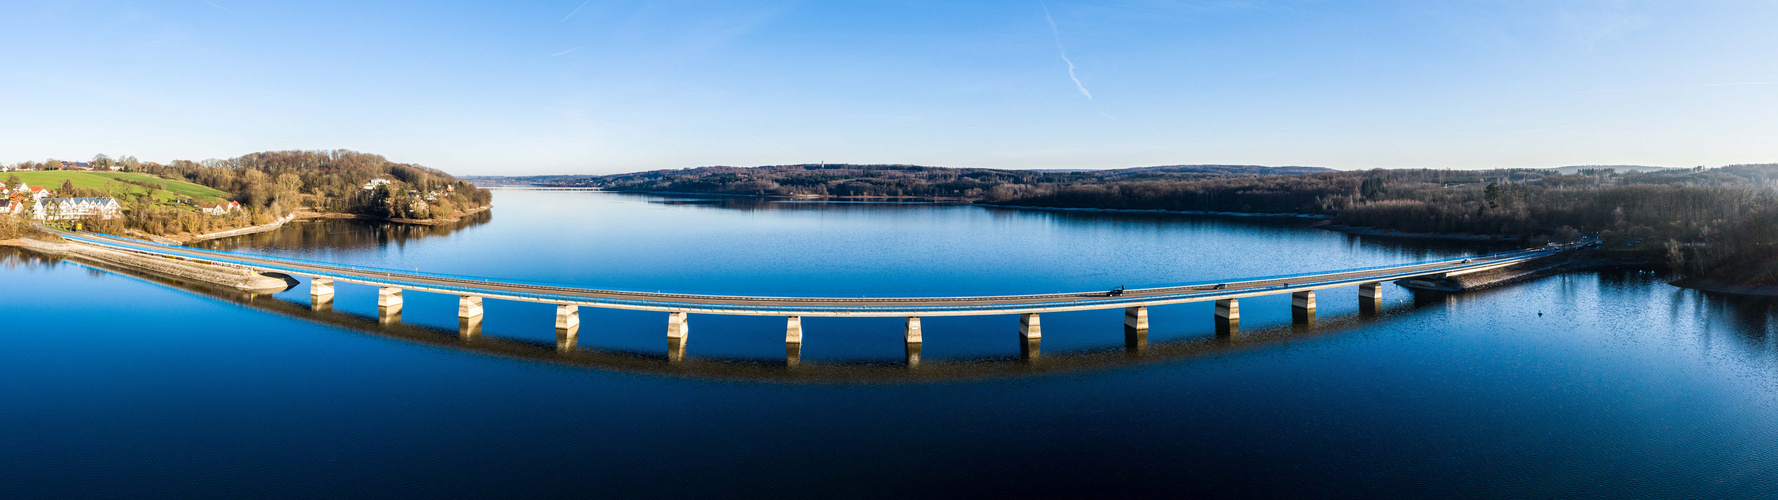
(118,385)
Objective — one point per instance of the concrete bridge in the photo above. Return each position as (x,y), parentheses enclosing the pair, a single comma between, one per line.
(1135,302)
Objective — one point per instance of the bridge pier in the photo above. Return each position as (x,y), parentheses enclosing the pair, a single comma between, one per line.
(469,306)
(1028,348)
(566,338)
(389,315)
(321,294)
(793,330)
(1136,317)
(1029,327)
(678,325)
(567,316)
(911,334)
(389,297)
(1228,316)
(1135,329)
(1370,297)
(469,328)
(675,349)
(1302,306)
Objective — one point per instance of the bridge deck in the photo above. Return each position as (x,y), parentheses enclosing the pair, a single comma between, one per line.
(819,306)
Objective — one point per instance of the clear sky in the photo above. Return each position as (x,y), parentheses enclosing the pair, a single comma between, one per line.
(598,86)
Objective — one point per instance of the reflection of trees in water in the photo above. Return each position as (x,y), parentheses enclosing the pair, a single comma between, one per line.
(343,234)
(14,257)
(1429,247)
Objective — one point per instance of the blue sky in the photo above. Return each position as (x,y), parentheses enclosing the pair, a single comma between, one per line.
(507,88)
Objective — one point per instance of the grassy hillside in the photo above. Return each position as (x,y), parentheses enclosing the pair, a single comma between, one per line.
(52,179)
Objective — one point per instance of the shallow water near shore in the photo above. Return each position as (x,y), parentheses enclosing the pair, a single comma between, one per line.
(1594,385)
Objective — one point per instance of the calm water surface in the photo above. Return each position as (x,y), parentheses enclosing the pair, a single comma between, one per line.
(1623,386)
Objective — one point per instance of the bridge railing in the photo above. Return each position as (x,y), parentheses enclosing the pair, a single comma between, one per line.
(397,277)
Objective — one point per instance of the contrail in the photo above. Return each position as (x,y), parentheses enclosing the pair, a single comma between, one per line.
(226,9)
(576,9)
(1738,83)
(564,52)
(1063,50)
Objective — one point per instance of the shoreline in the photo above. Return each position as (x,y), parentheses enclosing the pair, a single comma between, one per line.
(179,269)
(1717,286)
(295,216)
(930,200)
(1288,215)
(1391,233)
(232,232)
(416,222)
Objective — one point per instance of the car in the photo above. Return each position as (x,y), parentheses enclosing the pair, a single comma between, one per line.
(1220,286)
(1115,292)
(1465,261)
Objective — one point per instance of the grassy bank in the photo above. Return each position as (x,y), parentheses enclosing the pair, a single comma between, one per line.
(124,181)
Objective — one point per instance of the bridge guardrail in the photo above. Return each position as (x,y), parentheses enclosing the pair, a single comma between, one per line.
(666,300)
(392,274)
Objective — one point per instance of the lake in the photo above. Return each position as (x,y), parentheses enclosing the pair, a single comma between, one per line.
(1586,385)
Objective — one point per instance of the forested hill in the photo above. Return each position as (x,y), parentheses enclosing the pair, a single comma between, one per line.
(903,181)
(166,199)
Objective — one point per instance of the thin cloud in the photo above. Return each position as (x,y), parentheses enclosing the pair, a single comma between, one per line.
(564,52)
(224,9)
(1738,83)
(576,9)
(1063,51)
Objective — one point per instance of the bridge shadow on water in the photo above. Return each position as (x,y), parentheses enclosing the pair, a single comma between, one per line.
(674,360)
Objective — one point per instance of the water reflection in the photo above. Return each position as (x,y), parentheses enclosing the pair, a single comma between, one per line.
(344,234)
(1107,220)
(1749,319)
(1137,349)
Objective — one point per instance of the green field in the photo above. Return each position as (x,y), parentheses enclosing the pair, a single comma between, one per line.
(52,179)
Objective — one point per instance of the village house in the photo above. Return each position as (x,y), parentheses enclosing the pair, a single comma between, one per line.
(18,198)
(374,183)
(221,208)
(77,208)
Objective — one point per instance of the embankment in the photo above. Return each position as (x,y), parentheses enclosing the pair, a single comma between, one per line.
(187,270)
(1584,260)
(245,230)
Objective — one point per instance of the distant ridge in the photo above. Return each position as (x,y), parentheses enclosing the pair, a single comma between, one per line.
(1163,170)
(1572,169)
(883,181)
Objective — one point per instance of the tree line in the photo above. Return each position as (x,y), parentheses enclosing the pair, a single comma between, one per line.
(1718,222)
(272,184)
(883,181)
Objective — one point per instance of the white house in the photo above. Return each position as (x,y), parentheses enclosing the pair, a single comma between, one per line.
(221,208)
(77,208)
(18,199)
(374,183)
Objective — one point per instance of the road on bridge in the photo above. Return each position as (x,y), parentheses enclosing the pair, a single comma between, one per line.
(822,306)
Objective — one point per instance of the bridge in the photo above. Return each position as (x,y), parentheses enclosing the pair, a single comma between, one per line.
(1135,302)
